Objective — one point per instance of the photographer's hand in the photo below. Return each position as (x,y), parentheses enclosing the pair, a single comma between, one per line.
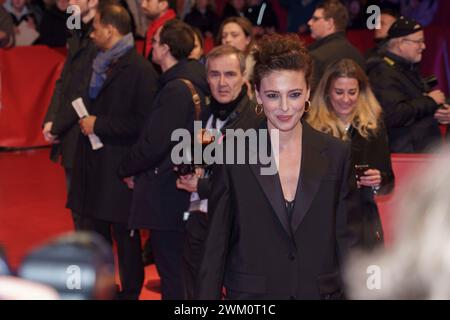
(443,114)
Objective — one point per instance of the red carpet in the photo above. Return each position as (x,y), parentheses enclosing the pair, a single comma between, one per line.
(32,201)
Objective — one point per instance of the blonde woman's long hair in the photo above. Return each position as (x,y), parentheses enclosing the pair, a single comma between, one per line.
(366,115)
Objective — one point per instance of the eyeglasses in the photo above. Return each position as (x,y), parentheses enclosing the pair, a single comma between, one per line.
(419,42)
(315,18)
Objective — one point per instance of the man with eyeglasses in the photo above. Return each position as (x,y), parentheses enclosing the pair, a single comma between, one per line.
(412,111)
(328,24)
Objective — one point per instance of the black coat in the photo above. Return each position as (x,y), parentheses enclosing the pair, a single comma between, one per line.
(331,49)
(408,113)
(263,12)
(244,117)
(207,22)
(53,31)
(373,151)
(121,107)
(157,203)
(252,248)
(72,83)
(229,11)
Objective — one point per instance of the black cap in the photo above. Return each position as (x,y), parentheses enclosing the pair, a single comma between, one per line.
(403,27)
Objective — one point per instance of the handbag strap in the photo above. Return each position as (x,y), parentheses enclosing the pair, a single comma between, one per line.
(195,98)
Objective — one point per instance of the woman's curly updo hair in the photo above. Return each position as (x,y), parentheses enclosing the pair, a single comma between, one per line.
(276,52)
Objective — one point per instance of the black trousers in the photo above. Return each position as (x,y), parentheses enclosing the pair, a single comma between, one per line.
(76,218)
(196,232)
(168,253)
(129,251)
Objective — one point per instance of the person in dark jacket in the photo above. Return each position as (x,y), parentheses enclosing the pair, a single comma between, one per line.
(60,127)
(6,29)
(298,14)
(328,25)
(20,11)
(120,94)
(263,17)
(157,204)
(233,8)
(53,31)
(203,17)
(230,108)
(345,107)
(412,112)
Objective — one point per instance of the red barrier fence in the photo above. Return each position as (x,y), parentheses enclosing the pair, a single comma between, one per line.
(404,167)
(28,76)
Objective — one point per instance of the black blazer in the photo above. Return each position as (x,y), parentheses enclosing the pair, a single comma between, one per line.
(252,248)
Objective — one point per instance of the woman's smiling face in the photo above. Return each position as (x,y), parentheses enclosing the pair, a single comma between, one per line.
(283,94)
(344,93)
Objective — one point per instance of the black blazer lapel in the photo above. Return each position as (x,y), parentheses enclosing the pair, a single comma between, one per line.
(271,186)
(313,167)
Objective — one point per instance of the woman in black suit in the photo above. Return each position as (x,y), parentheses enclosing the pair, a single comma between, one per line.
(282,235)
(345,107)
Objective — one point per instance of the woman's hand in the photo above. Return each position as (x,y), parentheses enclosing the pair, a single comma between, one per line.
(371,178)
(189,182)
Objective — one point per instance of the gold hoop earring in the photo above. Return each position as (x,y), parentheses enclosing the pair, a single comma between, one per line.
(309,105)
(259,109)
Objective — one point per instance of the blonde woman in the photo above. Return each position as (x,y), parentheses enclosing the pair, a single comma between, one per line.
(345,107)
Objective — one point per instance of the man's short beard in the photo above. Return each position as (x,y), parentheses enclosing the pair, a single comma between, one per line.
(151,16)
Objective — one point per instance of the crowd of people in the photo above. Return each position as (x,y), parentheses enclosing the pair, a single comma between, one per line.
(328,116)
(27,22)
